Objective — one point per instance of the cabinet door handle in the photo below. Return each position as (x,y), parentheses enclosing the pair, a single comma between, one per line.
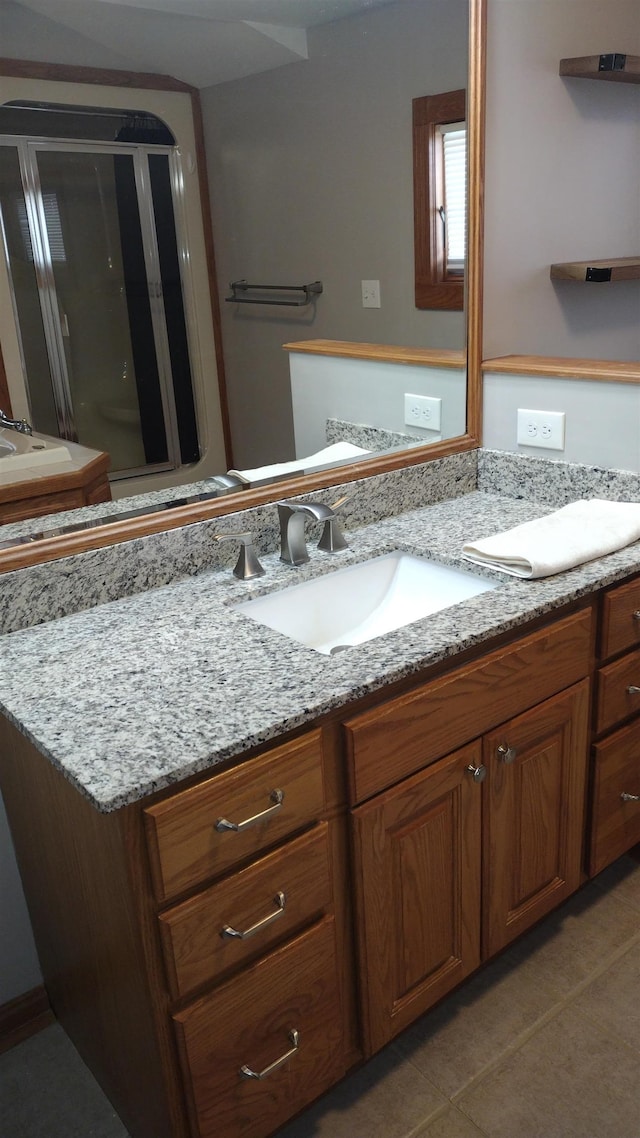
(636,614)
(477,773)
(248,1073)
(629,797)
(633,689)
(507,754)
(276,796)
(228,933)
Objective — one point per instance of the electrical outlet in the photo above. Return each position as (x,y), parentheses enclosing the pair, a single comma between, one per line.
(541,429)
(423,411)
(370,294)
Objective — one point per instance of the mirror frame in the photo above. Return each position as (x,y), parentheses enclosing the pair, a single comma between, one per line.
(116,532)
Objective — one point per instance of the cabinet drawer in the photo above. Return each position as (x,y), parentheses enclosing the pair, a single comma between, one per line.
(266,902)
(265,799)
(620,619)
(615,701)
(616,821)
(402,736)
(249,1022)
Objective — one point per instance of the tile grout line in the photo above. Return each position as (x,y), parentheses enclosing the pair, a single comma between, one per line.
(543,1020)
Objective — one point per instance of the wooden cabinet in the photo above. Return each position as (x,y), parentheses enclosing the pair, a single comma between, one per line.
(615,794)
(254,948)
(198,946)
(259,1048)
(534,814)
(455,861)
(417,879)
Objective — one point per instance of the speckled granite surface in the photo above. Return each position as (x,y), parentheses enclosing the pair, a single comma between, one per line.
(373,438)
(135,695)
(551,481)
(40,593)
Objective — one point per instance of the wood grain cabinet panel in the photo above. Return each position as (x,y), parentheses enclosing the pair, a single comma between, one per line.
(417,868)
(278,793)
(618,691)
(403,735)
(249,1023)
(273,897)
(620,619)
(534,818)
(615,822)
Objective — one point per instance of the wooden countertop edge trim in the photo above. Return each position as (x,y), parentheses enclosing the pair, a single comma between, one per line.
(605,371)
(386,353)
(75,478)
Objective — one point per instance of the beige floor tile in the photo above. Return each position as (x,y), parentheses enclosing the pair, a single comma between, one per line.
(474,1026)
(621,880)
(451,1124)
(570,1080)
(387,1098)
(574,942)
(613,1000)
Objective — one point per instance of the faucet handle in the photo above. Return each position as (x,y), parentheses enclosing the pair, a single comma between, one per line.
(333,539)
(247,566)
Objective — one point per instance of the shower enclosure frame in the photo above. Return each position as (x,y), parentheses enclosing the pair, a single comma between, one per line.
(28,149)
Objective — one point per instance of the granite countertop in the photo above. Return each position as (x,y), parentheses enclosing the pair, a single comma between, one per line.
(137,694)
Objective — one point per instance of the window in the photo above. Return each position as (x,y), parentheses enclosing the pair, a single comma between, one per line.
(439,199)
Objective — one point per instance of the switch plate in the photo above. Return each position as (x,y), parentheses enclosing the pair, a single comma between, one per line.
(423,411)
(370,294)
(541,428)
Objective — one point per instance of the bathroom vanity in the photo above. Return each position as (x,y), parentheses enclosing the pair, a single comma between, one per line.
(249,866)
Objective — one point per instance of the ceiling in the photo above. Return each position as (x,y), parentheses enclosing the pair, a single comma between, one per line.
(202,42)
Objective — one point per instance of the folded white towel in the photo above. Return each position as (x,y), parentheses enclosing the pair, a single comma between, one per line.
(337,452)
(577,533)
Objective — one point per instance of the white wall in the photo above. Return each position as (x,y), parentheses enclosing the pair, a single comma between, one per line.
(562,180)
(369,392)
(602,425)
(311,178)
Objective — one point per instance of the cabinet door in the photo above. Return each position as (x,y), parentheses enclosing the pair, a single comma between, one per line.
(417,858)
(535,788)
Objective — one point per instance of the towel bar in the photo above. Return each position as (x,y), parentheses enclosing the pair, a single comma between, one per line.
(309,290)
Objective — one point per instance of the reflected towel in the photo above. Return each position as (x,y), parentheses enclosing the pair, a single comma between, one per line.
(577,533)
(338,452)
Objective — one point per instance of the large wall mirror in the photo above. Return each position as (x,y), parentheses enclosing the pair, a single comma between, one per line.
(309,161)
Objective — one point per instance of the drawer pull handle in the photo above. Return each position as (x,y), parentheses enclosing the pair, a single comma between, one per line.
(478,774)
(633,689)
(247,1073)
(636,614)
(229,933)
(507,754)
(629,797)
(276,796)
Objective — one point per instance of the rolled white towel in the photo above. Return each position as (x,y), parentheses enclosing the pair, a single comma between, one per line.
(337,452)
(570,536)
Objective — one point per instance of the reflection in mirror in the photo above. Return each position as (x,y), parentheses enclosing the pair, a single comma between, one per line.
(311,172)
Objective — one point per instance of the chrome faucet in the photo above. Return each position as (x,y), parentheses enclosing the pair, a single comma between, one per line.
(293,547)
(20,425)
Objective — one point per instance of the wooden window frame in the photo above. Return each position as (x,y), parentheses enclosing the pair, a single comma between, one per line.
(434,286)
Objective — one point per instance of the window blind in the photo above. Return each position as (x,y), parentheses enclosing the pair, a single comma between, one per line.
(454,145)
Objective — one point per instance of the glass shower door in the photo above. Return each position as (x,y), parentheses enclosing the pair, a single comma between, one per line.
(90,231)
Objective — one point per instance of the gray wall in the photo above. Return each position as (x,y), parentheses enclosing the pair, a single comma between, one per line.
(562,180)
(311,178)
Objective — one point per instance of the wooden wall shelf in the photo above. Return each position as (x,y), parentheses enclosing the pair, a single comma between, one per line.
(598,272)
(614,67)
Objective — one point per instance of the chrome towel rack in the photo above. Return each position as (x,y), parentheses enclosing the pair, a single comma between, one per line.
(310,291)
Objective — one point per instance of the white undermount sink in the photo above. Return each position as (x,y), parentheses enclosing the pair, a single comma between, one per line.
(357,603)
